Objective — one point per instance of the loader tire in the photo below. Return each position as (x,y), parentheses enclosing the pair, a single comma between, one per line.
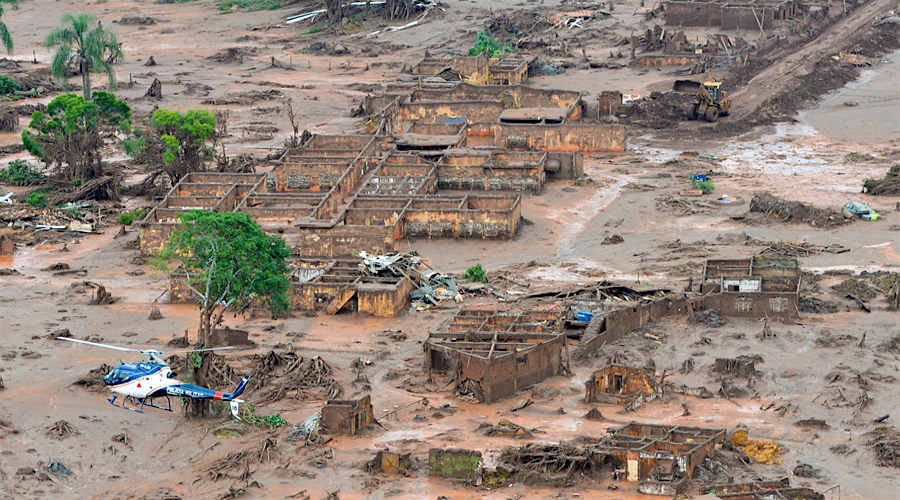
(712,114)
(726,110)
(692,112)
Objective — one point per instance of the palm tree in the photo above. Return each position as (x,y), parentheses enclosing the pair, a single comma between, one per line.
(80,41)
(5,37)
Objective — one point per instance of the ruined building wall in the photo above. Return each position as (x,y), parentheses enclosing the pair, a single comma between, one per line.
(566,137)
(693,14)
(608,328)
(755,305)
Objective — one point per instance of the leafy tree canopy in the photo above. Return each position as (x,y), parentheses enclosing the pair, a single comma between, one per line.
(230,264)
(69,133)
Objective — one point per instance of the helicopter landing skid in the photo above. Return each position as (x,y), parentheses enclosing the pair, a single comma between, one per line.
(143,401)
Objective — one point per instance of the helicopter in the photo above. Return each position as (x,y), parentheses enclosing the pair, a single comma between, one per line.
(154,378)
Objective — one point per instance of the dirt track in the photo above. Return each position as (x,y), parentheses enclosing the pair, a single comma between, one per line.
(779,76)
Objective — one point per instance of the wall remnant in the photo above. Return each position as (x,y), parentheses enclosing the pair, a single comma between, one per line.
(347,416)
(661,457)
(753,288)
(616,384)
(454,463)
(494,354)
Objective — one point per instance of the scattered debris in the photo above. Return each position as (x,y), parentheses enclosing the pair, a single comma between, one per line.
(774,208)
(614,239)
(155,314)
(61,430)
(887,186)
(885,442)
(57,469)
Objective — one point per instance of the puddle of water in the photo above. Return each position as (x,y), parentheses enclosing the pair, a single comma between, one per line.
(850,267)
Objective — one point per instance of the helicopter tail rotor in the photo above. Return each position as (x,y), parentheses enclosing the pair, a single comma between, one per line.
(234,407)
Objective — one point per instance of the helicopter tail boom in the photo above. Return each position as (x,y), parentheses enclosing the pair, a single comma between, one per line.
(240,387)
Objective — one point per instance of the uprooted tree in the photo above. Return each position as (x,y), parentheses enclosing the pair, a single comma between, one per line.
(229,264)
(71,133)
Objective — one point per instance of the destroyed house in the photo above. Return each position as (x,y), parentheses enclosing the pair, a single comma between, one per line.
(661,457)
(761,490)
(331,286)
(505,70)
(616,384)
(754,288)
(766,15)
(347,416)
(505,116)
(494,354)
(215,192)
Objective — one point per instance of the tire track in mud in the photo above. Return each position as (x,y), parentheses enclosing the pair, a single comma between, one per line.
(777,77)
(584,212)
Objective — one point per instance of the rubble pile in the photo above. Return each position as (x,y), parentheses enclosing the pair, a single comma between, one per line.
(657,111)
(889,185)
(776,209)
(431,286)
(49,225)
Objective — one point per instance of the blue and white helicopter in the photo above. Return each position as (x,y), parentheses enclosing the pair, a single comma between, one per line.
(154,378)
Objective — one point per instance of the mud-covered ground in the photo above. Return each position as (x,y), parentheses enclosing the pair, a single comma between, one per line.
(812,369)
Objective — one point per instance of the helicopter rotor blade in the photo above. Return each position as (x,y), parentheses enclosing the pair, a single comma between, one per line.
(117,348)
(141,351)
(199,350)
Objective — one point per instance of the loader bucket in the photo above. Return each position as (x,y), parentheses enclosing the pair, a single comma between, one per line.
(687,86)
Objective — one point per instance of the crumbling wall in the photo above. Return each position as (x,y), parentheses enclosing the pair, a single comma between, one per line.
(630,380)
(347,416)
(434,111)
(747,17)
(344,241)
(693,14)
(755,305)
(566,137)
(605,328)
(385,300)
(510,373)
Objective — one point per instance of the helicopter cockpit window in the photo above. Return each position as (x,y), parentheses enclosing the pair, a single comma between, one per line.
(118,375)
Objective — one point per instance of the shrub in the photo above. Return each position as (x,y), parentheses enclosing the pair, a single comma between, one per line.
(706,186)
(128,217)
(248,5)
(20,173)
(476,273)
(486,41)
(8,85)
(252,418)
(37,200)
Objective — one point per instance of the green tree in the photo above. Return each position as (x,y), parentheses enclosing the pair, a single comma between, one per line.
(71,132)
(228,263)
(5,37)
(81,42)
(184,139)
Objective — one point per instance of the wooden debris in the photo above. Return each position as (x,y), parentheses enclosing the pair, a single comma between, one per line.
(61,430)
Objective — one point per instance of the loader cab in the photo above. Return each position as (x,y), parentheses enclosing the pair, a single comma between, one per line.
(715,90)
